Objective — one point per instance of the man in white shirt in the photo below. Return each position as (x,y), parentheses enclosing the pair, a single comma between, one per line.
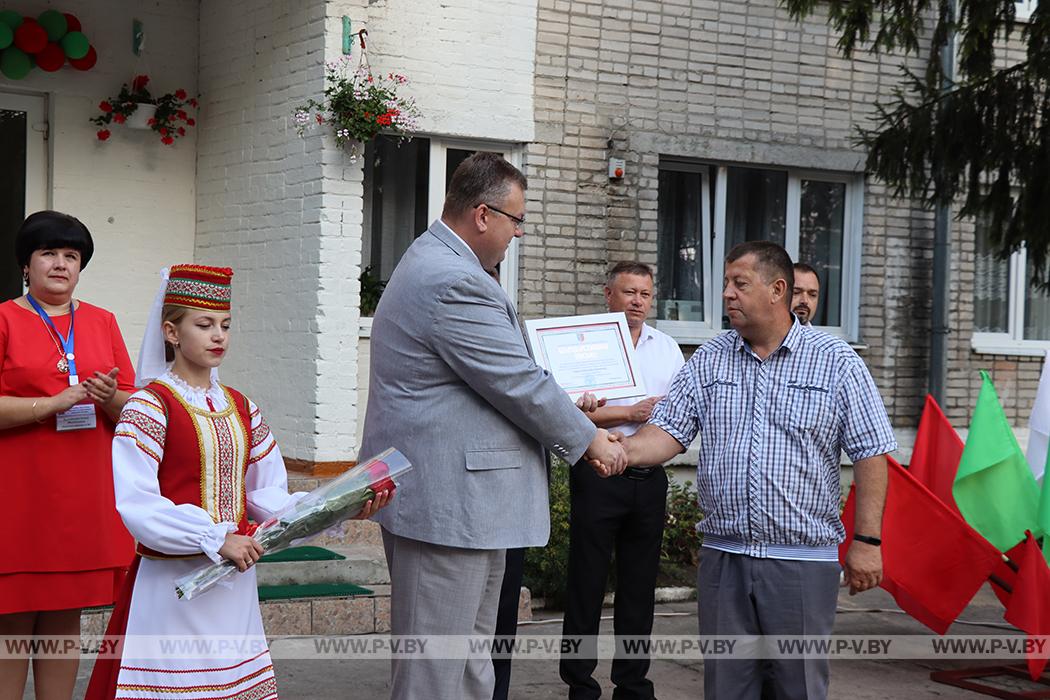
(806,294)
(622,514)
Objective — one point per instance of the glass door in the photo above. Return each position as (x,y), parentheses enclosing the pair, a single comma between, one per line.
(23,177)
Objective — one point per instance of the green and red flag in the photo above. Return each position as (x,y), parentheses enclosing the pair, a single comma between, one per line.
(994,487)
(932,561)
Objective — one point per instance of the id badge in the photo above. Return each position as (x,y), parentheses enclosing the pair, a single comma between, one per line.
(80,417)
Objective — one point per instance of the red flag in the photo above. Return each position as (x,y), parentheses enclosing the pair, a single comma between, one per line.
(933,562)
(937,452)
(1029,607)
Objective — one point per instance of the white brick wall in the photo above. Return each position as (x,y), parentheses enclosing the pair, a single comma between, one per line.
(470,62)
(135,194)
(259,205)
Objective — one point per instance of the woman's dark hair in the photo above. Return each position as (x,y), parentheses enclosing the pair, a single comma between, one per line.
(52,229)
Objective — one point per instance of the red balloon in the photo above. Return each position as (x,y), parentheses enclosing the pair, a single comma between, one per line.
(72,22)
(86,63)
(50,58)
(30,36)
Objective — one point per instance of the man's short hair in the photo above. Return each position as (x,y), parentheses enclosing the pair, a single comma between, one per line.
(628,267)
(483,178)
(803,267)
(771,260)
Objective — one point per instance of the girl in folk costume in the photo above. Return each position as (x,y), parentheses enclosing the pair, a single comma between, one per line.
(193,461)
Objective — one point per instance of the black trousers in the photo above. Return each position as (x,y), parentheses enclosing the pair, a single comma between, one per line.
(507,616)
(622,515)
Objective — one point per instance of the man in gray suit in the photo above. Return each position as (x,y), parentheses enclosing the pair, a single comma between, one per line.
(453,387)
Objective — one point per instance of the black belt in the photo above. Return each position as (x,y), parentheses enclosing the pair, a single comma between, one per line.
(638,473)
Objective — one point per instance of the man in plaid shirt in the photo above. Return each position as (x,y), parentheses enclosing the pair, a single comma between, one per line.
(775,403)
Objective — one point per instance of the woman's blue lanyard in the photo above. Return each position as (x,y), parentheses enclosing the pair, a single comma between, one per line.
(67,342)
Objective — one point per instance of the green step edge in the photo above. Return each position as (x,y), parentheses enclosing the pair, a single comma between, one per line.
(307,553)
(312,590)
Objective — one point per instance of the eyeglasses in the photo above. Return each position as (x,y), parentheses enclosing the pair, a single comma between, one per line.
(519,221)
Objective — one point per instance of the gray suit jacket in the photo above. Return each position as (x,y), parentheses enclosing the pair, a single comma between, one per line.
(452,385)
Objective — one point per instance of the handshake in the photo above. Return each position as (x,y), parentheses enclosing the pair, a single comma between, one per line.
(606,453)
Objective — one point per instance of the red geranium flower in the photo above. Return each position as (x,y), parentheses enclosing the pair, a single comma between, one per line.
(180,94)
(181,114)
(105,106)
(103,134)
(118,118)
(182,132)
(139,83)
(191,122)
(193,102)
(167,140)
(151,121)
(163,131)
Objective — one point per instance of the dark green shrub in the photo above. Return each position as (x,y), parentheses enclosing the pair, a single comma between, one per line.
(546,568)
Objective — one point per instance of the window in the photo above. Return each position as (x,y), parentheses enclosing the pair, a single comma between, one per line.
(1010,316)
(706,209)
(23,177)
(1023,9)
(404,191)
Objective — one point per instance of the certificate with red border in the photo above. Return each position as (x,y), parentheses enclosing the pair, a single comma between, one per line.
(587,353)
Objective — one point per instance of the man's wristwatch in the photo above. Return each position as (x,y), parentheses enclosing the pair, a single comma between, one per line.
(874,541)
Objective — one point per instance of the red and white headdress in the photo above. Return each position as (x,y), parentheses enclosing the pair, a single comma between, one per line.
(199,287)
(193,286)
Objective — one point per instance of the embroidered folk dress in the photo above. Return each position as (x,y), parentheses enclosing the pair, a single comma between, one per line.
(191,465)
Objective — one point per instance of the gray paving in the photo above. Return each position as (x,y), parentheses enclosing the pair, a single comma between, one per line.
(870,613)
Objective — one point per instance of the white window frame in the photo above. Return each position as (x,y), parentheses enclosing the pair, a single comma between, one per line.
(1012,342)
(439,147)
(714,221)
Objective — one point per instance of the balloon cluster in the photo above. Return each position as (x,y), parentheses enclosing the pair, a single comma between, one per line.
(46,42)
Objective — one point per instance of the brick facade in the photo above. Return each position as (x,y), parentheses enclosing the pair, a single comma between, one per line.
(741,84)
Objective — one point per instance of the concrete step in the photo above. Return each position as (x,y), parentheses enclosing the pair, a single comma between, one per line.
(364,565)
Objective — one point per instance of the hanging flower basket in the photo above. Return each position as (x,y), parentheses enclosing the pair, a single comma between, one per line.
(135,108)
(140,117)
(357,105)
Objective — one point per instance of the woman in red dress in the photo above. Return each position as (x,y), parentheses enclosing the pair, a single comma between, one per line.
(64,377)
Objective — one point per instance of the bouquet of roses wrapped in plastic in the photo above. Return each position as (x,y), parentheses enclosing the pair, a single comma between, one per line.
(340,499)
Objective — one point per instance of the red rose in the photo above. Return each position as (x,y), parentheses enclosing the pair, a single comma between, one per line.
(167,140)
(139,83)
(180,94)
(118,118)
(105,106)
(103,134)
(191,122)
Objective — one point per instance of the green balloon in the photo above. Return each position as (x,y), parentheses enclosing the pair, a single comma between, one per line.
(75,45)
(54,23)
(6,36)
(15,63)
(11,18)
